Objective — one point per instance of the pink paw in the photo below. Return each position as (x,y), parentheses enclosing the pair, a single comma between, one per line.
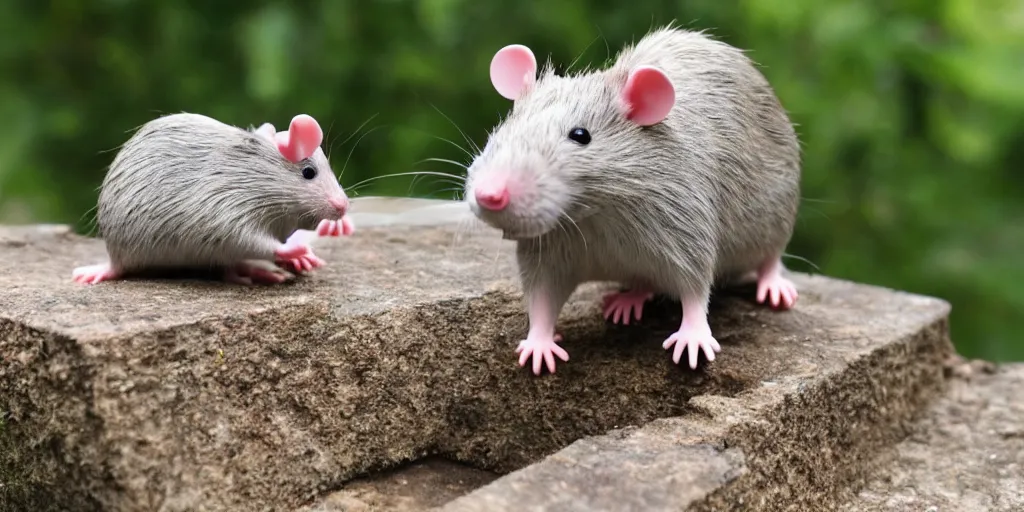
(94,274)
(291,250)
(256,272)
(304,263)
(621,306)
(692,340)
(335,227)
(541,348)
(779,291)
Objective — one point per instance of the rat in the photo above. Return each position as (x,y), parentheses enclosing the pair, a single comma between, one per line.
(189,192)
(671,171)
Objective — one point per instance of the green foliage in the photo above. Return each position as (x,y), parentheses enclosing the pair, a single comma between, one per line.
(911,112)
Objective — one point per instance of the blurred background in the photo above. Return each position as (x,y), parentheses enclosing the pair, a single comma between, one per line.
(911,112)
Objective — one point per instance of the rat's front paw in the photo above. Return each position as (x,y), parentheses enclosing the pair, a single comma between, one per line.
(541,348)
(621,306)
(779,291)
(692,339)
(304,263)
(291,250)
(335,227)
(299,240)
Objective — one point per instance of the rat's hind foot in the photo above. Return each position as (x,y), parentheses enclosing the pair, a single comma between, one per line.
(94,274)
(335,227)
(621,306)
(250,272)
(541,348)
(773,286)
(692,339)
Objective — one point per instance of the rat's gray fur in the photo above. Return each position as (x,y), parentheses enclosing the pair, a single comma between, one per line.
(710,193)
(187,191)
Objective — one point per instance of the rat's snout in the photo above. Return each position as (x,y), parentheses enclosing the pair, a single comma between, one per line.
(512,199)
(339,204)
(494,198)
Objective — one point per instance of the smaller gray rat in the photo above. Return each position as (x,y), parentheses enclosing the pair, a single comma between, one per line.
(672,170)
(189,192)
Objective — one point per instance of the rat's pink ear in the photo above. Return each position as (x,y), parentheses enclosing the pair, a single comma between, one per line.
(648,96)
(301,140)
(513,69)
(267,131)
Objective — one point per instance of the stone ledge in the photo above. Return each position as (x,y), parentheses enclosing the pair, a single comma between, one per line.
(800,440)
(197,395)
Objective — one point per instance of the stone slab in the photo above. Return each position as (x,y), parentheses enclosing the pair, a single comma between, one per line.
(965,455)
(192,395)
(416,487)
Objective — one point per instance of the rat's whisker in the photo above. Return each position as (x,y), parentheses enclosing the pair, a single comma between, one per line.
(497,256)
(443,160)
(812,200)
(446,181)
(354,146)
(465,228)
(449,141)
(413,173)
(464,136)
(456,184)
(561,226)
(449,191)
(454,180)
(806,208)
(801,258)
(585,48)
(412,184)
(354,132)
(580,231)
(326,142)
(464,150)
(93,223)
(457,234)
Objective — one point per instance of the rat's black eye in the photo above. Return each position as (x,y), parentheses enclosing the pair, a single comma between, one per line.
(580,135)
(309,172)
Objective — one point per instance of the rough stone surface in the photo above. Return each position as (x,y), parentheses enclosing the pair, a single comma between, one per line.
(417,487)
(191,395)
(965,455)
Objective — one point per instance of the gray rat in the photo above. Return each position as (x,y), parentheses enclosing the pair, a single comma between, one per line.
(189,192)
(671,171)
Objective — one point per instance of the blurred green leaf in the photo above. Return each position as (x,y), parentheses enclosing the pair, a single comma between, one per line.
(268,40)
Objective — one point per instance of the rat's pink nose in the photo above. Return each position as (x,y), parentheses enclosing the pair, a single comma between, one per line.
(339,204)
(494,200)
